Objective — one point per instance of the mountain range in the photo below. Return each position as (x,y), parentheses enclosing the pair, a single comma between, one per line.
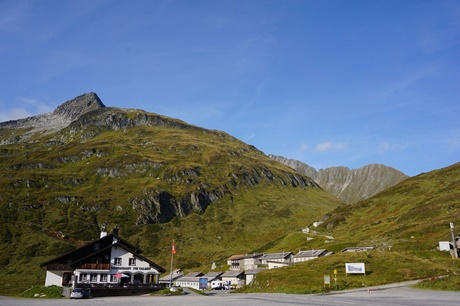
(67,173)
(349,185)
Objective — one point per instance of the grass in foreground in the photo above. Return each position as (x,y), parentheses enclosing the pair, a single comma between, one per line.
(381,268)
(168,292)
(42,292)
(448,283)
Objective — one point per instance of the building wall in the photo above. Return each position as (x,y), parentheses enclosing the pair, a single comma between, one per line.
(301,259)
(193,285)
(277,264)
(249,263)
(54,278)
(249,278)
(140,266)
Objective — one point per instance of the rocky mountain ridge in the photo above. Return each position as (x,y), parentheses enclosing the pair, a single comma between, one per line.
(349,185)
(53,121)
(72,135)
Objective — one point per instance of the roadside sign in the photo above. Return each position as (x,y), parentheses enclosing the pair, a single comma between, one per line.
(203,283)
(327,280)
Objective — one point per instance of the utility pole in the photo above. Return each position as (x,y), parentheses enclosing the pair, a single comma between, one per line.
(453,240)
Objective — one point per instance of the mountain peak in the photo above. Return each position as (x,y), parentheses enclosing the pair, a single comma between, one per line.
(73,109)
(54,121)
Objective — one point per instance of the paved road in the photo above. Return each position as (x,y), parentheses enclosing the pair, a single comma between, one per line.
(394,296)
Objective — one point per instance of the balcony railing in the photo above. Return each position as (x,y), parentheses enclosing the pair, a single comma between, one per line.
(94,266)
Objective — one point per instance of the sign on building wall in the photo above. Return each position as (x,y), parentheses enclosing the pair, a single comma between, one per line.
(355,268)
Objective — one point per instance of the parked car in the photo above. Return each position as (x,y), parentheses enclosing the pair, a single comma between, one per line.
(80,293)
(221,286)
(217,287)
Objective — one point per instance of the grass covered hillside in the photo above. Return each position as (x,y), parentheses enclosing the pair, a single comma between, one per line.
(411,216)
(404,223)
(154,177)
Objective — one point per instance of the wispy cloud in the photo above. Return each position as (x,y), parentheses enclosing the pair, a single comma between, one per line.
(329,146)
(249,137)
(38,106)
(14,113)
(25,107)
(386,146)
(303,147)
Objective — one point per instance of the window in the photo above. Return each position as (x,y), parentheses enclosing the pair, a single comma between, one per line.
(97,247)
(83,277)
(117,261)
(132,261)
(113,278)
(93,277)
(104,278)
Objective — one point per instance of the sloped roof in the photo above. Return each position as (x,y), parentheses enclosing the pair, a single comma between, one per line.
(255,271)
(232,273)
(236,257)
(253,255)
(310,253)
(244,256)
(358,249)
(271,256)
(212,274)
(194,274)
(168,277)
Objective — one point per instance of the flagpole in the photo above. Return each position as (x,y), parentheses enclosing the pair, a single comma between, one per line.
(171,270)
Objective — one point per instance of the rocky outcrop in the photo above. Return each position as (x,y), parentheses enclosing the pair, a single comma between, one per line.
(51,122)
(153,206)
(349,185)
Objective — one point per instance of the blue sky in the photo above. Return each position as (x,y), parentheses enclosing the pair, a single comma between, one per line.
(327,82)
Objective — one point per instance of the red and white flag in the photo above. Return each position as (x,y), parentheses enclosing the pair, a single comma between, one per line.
(173,248)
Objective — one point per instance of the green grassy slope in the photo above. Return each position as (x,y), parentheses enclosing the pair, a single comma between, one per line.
(57,190)
(411,216)
(404,223)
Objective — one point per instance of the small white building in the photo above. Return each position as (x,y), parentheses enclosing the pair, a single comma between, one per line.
(250,274)
(283,258)
(192,280)
(244,262)
(276,264)
(235,278)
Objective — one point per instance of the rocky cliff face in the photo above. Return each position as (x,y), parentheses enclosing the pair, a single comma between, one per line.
(349,185)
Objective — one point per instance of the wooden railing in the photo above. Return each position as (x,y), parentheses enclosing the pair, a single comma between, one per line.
(94,266)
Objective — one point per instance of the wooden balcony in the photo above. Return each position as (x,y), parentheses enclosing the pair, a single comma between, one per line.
(94,266)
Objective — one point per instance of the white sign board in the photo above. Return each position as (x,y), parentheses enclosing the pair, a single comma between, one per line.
(355,268)
(444,245)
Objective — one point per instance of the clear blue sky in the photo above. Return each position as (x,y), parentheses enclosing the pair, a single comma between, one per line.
(327,82)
